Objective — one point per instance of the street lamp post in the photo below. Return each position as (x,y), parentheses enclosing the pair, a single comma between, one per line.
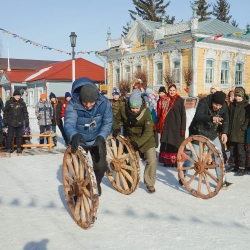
(73,37)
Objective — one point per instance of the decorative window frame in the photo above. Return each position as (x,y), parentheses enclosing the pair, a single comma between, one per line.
(136,63)
(225,57)
(143,37)
(126,64)
(239,59)
(31,103)
(210,55)
(176,56)
(116,65)
(157,58)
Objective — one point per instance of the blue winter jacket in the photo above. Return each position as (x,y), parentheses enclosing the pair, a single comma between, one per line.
(98,122)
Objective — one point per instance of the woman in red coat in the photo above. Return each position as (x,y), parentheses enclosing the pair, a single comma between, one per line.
(172,125)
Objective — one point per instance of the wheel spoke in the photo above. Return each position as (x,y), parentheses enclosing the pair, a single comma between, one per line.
(207,183)
(187,168)
(71,168)
(127,167)
(125,184)
(86,192)
(192,178)
(193,151)
(86,204)
(114,147)
(127,175)
(211,166)
(81,169)
(199,183)
(86,181)
(68,178)
(120,150)
(208,156)
(211,176)
(77,206)
(118,180)
(83,211)
(124,157)
(76,165)
(110,151)
(200,150)
(187,157)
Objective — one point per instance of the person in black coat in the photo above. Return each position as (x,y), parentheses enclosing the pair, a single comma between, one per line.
(57,120)
(15,114)
(210,117)
(1,105)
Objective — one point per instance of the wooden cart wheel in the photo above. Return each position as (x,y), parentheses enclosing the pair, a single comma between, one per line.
(123,165)
(80,187)
(201,179)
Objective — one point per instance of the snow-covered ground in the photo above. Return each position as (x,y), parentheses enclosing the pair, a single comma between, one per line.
(34,214)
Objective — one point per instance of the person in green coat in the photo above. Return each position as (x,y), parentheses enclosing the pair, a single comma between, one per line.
(238,124)
(136,119)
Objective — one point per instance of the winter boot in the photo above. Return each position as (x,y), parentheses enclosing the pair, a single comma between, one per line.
(241,172)
(8,152)
(19,151)
(99,189)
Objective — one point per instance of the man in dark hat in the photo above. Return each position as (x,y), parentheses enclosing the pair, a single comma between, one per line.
(136,118)
(88,122)
(15,114)
(211,113)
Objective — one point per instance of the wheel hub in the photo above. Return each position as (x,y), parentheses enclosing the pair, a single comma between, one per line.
(199,167)
(77,188)
(116,165)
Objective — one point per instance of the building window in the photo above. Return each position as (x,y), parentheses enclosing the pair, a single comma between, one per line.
(159,76)
(127,73)
(117,75)
(138,68)
(143,38)
(177,72)
(224,73)
(238,74)
(209,72)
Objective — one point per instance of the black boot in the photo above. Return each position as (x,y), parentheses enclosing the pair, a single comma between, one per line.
(19,151)
(241,172)
(99,189)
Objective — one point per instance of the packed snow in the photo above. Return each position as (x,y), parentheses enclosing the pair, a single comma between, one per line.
(34,213)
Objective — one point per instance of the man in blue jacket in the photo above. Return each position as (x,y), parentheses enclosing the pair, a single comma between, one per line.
(88,122)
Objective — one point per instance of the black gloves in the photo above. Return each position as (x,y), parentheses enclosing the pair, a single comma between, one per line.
(75,142)
(116,132)
(100,142)
(27,123)
(134,145)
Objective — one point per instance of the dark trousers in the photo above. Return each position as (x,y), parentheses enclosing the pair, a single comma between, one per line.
(99,163)
(11,131)
(237,151)
(42,130)
(1,138)
(60,126)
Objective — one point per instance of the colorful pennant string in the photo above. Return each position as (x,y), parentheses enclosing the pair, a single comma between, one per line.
(155,44)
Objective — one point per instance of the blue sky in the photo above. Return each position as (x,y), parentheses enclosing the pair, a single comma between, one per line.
(50,23)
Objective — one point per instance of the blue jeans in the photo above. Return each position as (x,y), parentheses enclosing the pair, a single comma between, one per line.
(217,144)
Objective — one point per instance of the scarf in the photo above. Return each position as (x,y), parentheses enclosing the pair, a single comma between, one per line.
(172,100)
(131,117)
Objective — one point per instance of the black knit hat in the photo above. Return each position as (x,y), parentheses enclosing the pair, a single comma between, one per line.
(16,92)
(219,97)
(162,89)
(88,93)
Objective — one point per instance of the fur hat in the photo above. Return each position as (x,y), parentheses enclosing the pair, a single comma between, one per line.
(67,94)
(89,93)
(135,100)
(219,97)
(52,95)
(16,92)
(43,96)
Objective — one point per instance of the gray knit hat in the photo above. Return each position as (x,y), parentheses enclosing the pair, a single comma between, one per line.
(135,100)
(88,93)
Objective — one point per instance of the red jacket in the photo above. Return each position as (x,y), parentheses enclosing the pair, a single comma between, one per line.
(63,109)
(162,110)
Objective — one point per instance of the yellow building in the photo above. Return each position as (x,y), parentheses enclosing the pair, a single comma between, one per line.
(216,53)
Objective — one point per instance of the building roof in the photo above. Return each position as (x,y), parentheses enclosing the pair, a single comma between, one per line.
(63,71)
(18,75)
(24,64)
